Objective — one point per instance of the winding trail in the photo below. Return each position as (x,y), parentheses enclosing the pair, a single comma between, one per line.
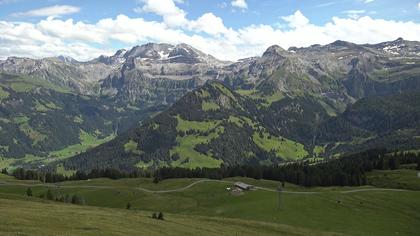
(184,188)
(5,183)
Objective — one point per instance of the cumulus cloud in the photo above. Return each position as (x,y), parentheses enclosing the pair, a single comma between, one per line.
(239,4)
(172,15)
(296,20)
(57,10)
(83,41)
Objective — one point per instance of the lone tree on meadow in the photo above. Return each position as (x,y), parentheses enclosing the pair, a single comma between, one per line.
(77,200)
(160,216)
(29,192)
(128,207)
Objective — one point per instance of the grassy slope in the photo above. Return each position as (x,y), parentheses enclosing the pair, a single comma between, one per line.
(36,218)
(285,148)
(403,178)
(189,157)
(359,213)
(86,141)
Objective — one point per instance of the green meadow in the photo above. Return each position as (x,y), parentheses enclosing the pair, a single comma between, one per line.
(209,208)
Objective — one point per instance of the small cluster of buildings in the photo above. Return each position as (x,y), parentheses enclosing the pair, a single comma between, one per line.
(239,187)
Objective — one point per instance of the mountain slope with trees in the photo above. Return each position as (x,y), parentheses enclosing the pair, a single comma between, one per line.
(214,126)
(329,99)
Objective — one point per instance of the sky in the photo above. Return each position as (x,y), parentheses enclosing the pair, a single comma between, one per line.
(227,29)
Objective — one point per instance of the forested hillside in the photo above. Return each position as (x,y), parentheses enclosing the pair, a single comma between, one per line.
(40,120)
(215,126)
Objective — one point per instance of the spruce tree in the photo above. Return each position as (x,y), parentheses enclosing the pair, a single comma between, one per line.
(128,207)
(75,199)
(160,216)
(29,192)
(418,163)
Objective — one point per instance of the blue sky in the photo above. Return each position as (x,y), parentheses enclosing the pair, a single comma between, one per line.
(258,11)
(230,29)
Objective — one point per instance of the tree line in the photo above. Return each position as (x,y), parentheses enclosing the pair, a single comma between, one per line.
(52,177)
(50,195)
(346,171)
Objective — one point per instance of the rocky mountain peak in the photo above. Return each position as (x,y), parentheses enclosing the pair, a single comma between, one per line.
(341,45)
(399,47)
(274,50)
(120,53)
(66,59)
(151,51)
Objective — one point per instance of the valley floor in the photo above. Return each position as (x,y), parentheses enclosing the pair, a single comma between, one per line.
(206,207)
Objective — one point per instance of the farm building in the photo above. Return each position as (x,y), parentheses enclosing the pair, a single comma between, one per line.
(244,186)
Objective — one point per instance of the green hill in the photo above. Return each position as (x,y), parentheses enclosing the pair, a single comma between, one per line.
(209,208)
(391,122)
(215,125)
(205,128)
(41,121)
(36,218)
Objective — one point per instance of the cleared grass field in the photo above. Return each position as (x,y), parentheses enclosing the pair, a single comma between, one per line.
(402,178)
(47,218)
(309,211)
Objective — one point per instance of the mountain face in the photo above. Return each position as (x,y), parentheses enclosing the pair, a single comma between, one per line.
(54,104)
(314,98)
(338,74)
(205,128)
(39,118)
(215,126)
(160,73)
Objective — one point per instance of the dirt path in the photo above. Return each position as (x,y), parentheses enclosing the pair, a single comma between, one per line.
(376,189)
(183,188)
(192,185)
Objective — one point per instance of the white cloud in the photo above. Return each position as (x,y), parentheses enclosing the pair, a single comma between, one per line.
(354,14)
(57,10)
(239,4)
(296,20)
(210,24)
(368,1)
(172,15)
(418,5)
(83,41)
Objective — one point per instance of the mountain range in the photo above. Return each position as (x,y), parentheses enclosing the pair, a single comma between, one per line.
(177,106)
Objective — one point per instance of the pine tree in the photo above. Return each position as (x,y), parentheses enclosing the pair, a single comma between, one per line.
(418,163)
(29,192)
(67,198)
(75,199)
(154,216)
(394,163)
(156,179)
(128,207)
(160,216)
(4,171)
